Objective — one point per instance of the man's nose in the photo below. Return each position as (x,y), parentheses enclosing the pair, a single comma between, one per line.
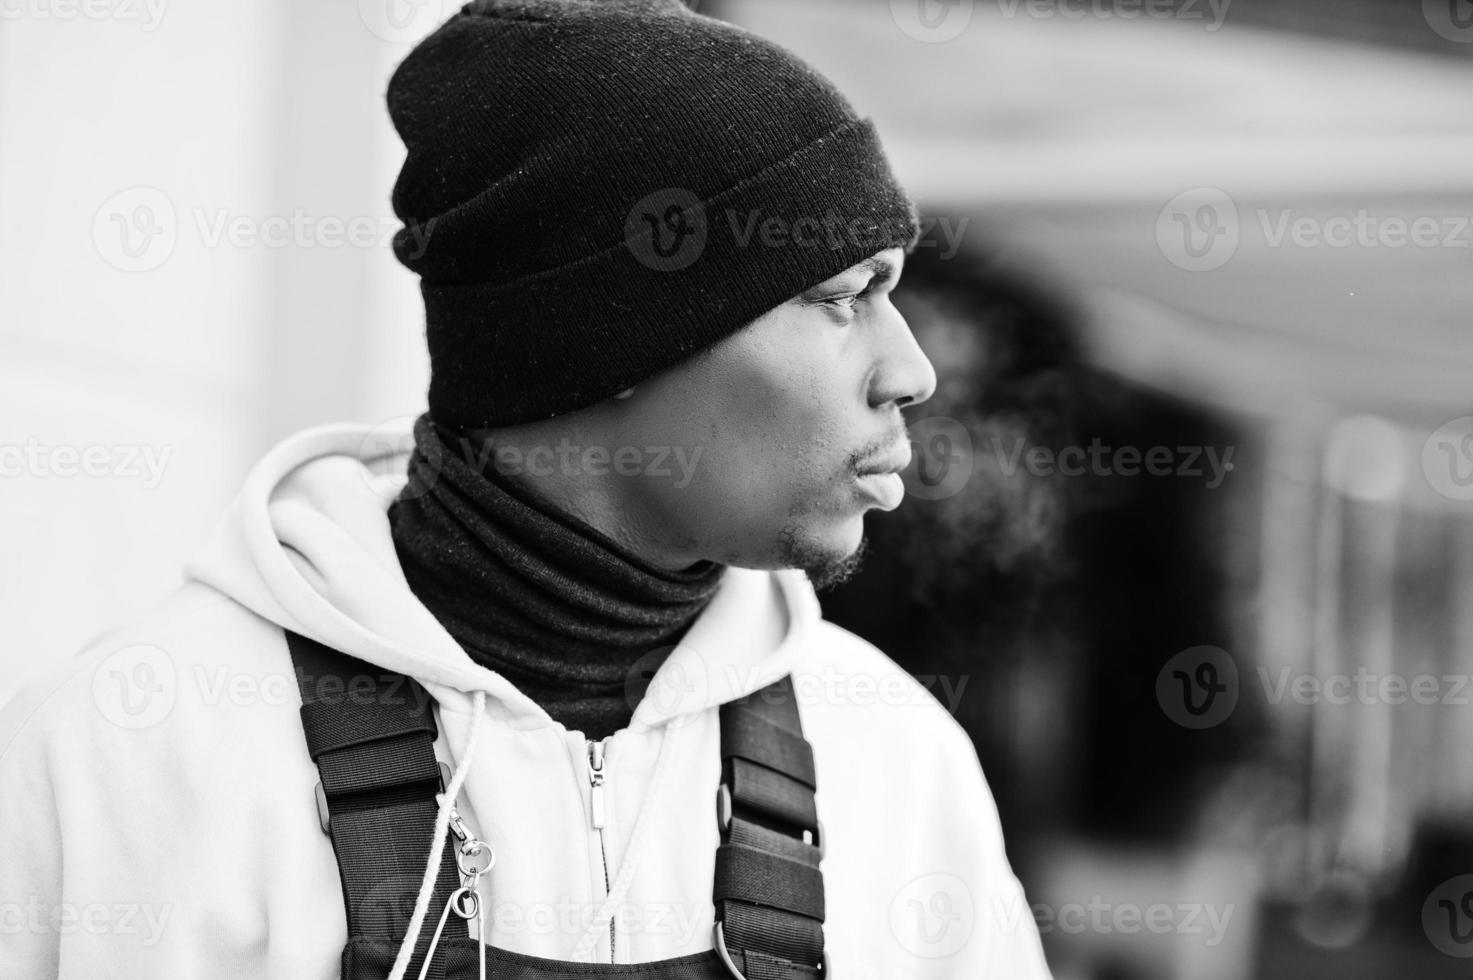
(904,374)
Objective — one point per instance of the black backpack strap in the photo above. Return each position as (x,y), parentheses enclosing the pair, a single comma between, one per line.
(372,736)
(769,889)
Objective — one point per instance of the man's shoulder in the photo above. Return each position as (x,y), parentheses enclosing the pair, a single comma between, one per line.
(154,673)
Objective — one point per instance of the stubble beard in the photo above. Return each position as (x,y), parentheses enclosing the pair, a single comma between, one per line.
(825,568)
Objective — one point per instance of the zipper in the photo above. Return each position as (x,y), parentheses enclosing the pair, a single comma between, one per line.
(597,815)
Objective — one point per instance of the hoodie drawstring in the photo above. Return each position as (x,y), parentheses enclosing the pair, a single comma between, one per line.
(437,845)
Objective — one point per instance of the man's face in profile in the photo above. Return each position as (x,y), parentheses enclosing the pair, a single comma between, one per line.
(796,420)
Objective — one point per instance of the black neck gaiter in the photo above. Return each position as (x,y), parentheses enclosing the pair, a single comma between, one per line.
(536,595)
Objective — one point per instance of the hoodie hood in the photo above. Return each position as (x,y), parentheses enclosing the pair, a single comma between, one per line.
(307,545)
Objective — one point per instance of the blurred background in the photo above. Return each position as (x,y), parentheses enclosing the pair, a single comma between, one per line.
(1189,545)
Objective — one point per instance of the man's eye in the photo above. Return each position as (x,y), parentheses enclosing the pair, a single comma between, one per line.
(848,301)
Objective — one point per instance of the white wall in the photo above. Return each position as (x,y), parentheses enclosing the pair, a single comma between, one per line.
(187,347)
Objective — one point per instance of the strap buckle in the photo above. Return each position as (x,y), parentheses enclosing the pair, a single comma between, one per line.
(816,838)
(718,942)
(324,815)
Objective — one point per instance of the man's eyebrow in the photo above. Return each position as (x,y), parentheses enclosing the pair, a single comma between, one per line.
(882,268)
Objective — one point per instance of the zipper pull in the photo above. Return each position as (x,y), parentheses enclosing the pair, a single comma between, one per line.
(596,782)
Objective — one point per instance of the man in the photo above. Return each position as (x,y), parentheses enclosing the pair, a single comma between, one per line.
(656,254)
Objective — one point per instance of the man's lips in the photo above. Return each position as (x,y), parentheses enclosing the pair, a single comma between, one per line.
(892,461)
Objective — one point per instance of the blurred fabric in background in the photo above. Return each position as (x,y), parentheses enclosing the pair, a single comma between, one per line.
(1189,542)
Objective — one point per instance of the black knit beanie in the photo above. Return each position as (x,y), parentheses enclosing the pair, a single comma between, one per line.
(596,189)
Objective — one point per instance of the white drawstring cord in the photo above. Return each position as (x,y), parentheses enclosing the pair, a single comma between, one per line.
(600,925)
(437,846)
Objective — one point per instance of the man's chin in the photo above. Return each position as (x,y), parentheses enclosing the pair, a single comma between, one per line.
(825,564)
